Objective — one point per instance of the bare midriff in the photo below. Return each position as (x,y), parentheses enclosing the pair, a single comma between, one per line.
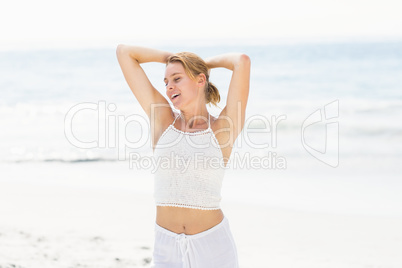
(187,220)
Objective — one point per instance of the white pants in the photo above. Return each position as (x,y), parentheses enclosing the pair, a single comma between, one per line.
(212,248)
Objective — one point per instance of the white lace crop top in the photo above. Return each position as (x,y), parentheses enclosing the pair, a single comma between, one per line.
(190,169)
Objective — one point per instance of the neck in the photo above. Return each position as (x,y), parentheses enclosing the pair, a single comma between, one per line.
(195,116)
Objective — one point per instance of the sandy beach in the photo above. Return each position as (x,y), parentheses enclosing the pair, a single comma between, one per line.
(89,215)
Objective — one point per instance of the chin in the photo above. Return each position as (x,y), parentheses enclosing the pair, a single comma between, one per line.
(177,107)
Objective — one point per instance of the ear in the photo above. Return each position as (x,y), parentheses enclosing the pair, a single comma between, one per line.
(201,80)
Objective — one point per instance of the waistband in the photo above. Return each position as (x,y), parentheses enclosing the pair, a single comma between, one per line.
(220,225)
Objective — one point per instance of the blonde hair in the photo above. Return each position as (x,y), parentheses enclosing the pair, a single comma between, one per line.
(194,66)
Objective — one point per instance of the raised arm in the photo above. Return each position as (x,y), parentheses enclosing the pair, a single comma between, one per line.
(236,102)
(130,58)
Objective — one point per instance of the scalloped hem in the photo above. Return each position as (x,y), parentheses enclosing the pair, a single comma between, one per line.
(186,206)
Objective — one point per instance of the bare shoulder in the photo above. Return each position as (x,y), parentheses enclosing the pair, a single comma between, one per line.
(222,121)
(160,120)
(223,128)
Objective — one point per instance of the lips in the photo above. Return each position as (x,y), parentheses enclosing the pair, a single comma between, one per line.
(175,96)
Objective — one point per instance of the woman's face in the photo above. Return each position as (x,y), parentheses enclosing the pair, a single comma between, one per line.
(178,82)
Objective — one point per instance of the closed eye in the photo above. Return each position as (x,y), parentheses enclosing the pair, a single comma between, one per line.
(176,80)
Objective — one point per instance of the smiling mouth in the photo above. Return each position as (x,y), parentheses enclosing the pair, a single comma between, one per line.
(175,96)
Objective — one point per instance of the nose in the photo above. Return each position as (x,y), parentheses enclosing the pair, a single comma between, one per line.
(169,87)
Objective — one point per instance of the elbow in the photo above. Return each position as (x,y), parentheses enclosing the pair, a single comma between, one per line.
(122,50)
(119,49)
(125,51)
(243,61)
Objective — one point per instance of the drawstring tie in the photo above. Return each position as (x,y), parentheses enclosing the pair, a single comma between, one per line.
(183,244)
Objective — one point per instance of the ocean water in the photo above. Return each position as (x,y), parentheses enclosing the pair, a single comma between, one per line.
(323,121)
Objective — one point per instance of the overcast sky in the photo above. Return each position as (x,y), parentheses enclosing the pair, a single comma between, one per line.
(57,23)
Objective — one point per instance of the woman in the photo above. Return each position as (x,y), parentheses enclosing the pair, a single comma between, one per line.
(191,229)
